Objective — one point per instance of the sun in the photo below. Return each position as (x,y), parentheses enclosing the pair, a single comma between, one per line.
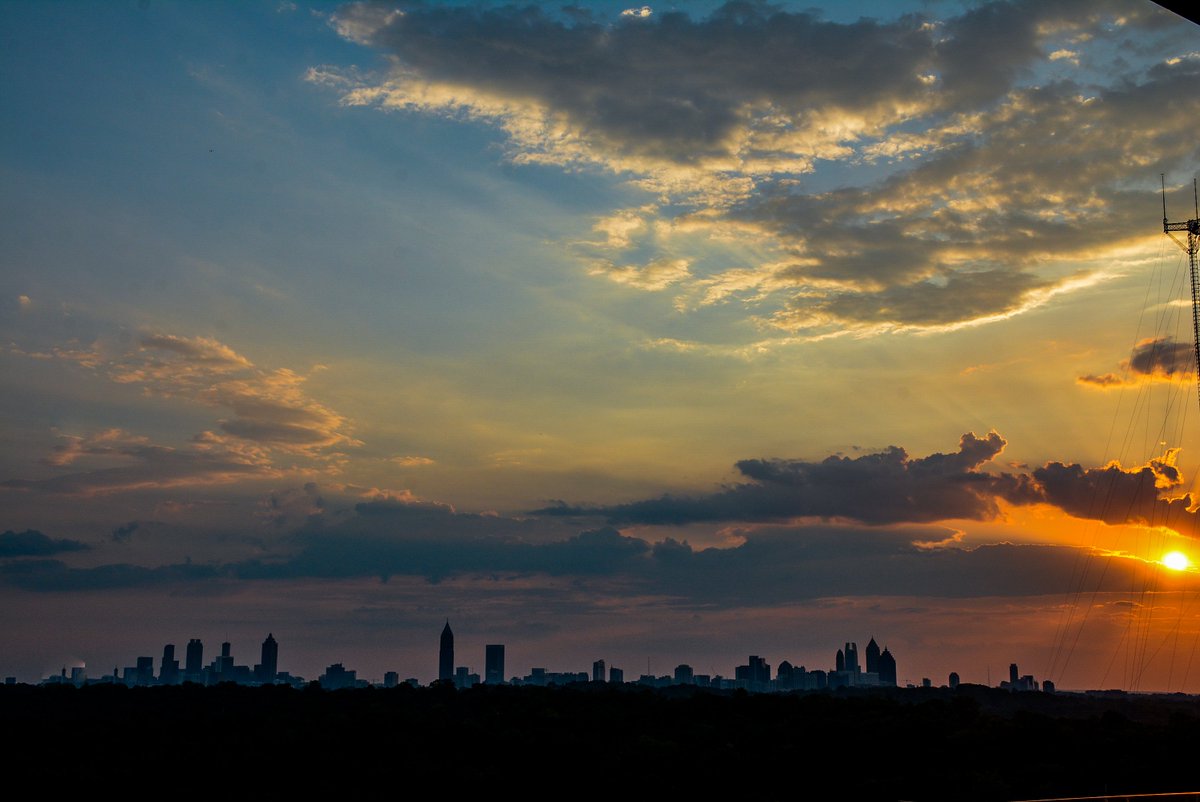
(1176,560)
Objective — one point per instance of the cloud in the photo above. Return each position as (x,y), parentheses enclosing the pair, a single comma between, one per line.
(1147,494)
(54,575)
(889,487)
(412,461)
(116,461)
(996,175)
(32,543)
(273,424)
(771,565)
(654,276)
(878,488)
(270,406)
(122,534)
(1154,359)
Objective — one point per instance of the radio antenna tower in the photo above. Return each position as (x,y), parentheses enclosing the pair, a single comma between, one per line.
(1192,227)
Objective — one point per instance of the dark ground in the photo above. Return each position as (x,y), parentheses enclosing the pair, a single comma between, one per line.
(594,741)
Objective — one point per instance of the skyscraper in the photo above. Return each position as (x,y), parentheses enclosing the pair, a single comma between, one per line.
(852,658)
(168,674)
(598,671)
(493,664)
(872,657)
(887,668)
(194,664)
(267,670)
(446,655)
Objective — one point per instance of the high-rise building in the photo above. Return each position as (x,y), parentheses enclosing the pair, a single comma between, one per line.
(168,673)
(954,679)
(266,671)
(598,671)
(1013,673)
(493,664)
(223,665)
(684,675)
(145,671)
(616,676)
(758,673)
(839,661)
(852,658)
(887,668)
(195,660)
(872,657)
(446,655)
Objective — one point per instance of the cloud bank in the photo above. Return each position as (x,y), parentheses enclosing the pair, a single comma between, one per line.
(1154,359)
(985,149)
(890,487)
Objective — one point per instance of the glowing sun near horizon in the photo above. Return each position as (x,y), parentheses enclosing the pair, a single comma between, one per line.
(1176,560)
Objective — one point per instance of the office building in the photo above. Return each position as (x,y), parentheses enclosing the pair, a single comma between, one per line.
(493,663)
(266,671)
(446,655)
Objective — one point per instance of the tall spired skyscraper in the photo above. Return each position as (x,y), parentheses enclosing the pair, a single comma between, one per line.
(872,657)
(446,655)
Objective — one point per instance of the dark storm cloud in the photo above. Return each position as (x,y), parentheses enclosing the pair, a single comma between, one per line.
(880,488)
(32,543)
(1159,358)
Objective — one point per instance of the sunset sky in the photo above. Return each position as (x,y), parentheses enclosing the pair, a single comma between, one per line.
(664,334)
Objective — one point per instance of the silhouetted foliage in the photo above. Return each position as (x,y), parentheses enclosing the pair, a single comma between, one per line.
(935,744)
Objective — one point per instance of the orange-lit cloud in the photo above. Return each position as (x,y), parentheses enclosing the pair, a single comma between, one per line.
(1153,359)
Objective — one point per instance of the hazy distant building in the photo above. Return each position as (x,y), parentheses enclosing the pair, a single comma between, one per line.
(785,677)
(463,678)
(755,675)
(598,671)
(684,675)
(953,679)
(616,675)
(1020,683)
(391,679)
(493,664)
(337,677)
(145,671)
(446,655)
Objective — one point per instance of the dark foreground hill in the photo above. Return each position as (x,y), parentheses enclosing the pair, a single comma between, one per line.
(592,741)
